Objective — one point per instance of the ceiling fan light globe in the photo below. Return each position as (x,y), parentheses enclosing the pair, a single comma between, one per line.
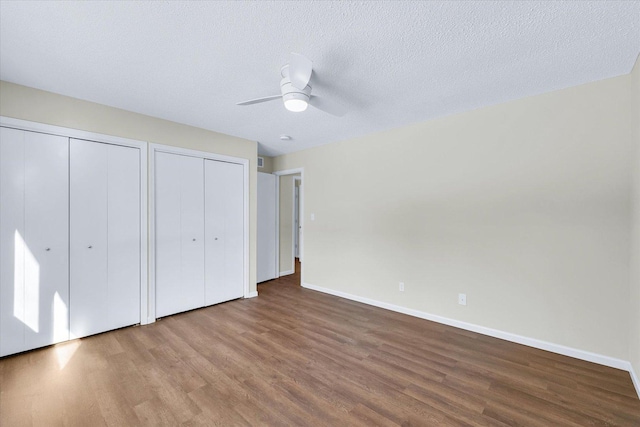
(296,105)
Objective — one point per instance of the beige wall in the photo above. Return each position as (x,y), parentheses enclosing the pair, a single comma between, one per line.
(268,165)
(634,324)
(45,107)
(524,206)
(286,223)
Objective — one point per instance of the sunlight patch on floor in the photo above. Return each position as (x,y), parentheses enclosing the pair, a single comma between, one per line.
(65,351)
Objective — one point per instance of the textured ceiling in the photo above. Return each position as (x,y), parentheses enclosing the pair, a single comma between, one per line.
(390,63)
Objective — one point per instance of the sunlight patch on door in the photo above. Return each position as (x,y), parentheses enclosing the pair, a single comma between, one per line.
(26,284)
(60,319)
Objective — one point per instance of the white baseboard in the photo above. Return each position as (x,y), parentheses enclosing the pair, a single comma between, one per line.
(507,336)
(635,379)
(252,294)
(286,273)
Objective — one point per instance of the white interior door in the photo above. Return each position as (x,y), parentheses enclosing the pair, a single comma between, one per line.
(266,238)
(34,245)
(123,236)
(179,219)
(88,172)
(12,253)
(105,237)
(47,235)
(224,235)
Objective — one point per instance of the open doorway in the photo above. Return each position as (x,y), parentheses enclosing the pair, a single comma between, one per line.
(290,223)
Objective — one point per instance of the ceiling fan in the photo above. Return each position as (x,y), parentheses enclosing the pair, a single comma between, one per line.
(295,89)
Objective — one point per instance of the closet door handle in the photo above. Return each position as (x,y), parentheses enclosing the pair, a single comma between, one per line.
(194,240)
(89,247)
(215,238)
(47,249)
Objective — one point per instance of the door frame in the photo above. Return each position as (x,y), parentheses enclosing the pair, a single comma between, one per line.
(153,149)
(113,140)
(301,214)
(296,233)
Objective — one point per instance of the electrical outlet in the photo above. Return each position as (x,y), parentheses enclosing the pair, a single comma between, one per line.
(401,287)
(462,299)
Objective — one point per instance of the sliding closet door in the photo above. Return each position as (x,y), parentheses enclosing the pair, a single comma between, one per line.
(105,237)
(224,236)
(34,245)
(179,217)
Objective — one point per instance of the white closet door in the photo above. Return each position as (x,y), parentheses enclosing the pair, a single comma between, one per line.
(105,237)
(88,219)
(179,216)
(12,253)
(224,236)
(266,239)
(123,236)
(34,278)
(47,234)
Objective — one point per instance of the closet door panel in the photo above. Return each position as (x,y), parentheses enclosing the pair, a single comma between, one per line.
(11,241)
(47,238)
(224,251)
(123,236)
(88,218)
(33,240)
(179,216)
(193,231)
(168,236)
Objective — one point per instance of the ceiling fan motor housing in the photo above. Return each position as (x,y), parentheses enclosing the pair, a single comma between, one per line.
(291,92)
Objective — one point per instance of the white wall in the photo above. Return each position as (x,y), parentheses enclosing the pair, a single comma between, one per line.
(26,103)
(524,206)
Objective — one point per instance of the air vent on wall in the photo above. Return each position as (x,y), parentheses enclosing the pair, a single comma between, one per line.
(260,162)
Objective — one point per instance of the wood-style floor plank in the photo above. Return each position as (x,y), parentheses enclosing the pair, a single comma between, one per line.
(295,357)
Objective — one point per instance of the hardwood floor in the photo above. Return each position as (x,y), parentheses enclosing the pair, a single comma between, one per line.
(298,357)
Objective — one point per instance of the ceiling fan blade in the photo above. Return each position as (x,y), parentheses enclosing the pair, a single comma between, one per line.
(332,107)
(300,68)
(258,100)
